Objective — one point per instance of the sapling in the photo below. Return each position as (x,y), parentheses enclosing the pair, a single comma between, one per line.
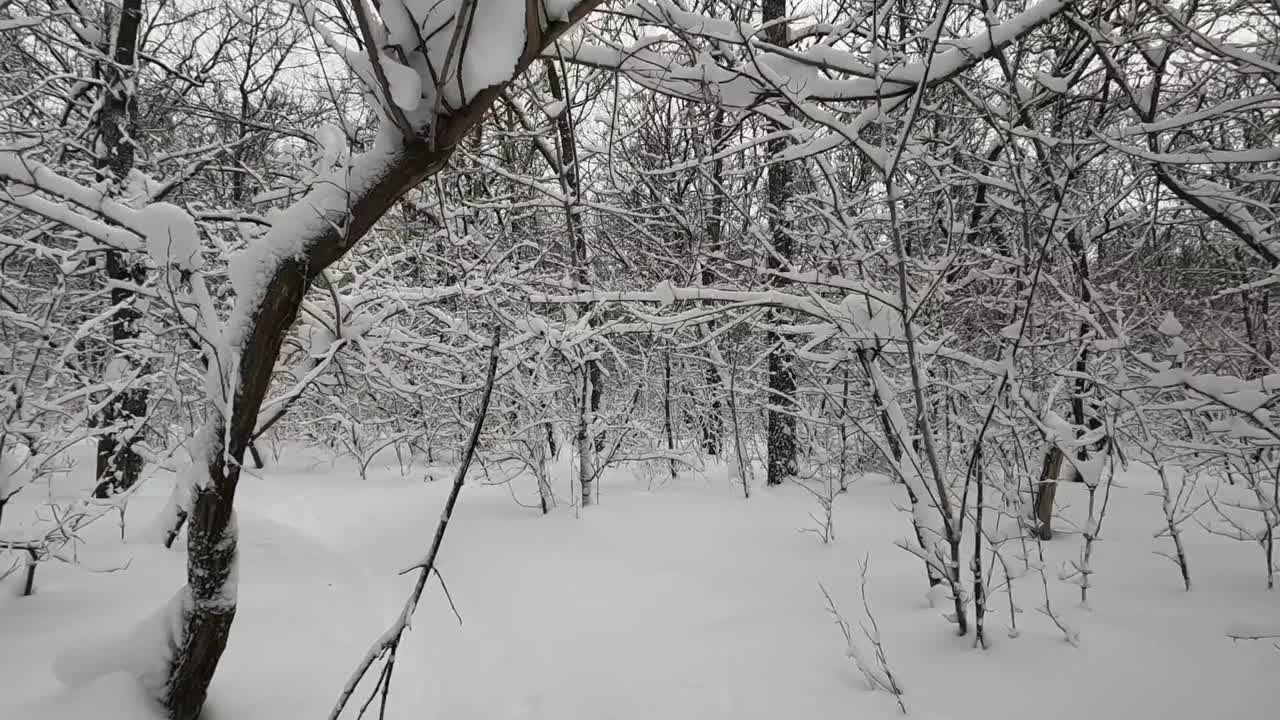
(1177,509)
(1029,526)
(530,450)
(824,520)
(1258,496)
(1175,505)
(1095,472)
(1091,532)
(1069,632)
(867,651)
(1012,507)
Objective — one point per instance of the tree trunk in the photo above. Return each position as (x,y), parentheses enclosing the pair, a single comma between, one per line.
(844,426)
(580,271)
(666,409)
(586,476)
(1082,386)
(118,464)
(780,421)
(713,422)
(1045,491)
(210,605)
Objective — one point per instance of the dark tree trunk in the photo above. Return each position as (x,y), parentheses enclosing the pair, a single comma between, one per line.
(118,463)
(1079,413)
(666,409)
(781,431)
(781,420)
(597,394)
(713,422)
(1045,491)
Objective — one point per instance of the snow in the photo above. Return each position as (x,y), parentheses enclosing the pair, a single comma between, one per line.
(1056,83)
(559,9)
(665,293)
(1170,326)
(503,26)
(495,38)
(679,601)
(406,84)
(22,172)
(141,651)
(171,236)
(112,697)
(1262,630)
(554,109)
(333,146)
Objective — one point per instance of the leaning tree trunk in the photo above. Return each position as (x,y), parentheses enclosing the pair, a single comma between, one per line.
(781,420)
(118,464)
(259,323)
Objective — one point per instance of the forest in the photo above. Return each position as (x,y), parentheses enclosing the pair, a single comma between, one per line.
(618,358)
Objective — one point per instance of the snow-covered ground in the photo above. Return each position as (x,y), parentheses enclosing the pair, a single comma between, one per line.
(675,599)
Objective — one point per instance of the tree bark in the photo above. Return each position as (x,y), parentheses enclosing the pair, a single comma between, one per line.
(1045,491)
(781,420)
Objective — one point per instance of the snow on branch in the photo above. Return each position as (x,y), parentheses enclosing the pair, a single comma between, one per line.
(864,312)
(809,74)
(422,59)
(24,183)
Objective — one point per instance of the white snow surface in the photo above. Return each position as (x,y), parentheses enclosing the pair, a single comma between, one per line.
(671,599)
(140,651)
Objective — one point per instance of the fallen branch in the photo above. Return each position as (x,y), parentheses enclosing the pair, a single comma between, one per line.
(386,647)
